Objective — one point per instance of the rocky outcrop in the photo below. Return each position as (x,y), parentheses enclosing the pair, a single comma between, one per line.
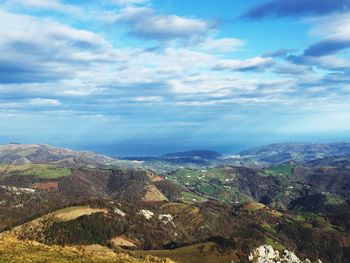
(266,254)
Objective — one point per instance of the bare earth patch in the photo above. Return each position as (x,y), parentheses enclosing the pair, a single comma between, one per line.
(48,186)
(122,241)
(154,177)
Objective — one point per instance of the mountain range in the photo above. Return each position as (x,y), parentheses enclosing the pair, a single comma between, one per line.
(274,154)
(280,201)
(260,157)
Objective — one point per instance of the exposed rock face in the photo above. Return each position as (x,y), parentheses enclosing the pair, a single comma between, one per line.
(266,254)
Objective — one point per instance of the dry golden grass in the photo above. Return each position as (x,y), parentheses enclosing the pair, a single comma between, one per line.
(153,195)
(253,206)
(13,250)
(72,213)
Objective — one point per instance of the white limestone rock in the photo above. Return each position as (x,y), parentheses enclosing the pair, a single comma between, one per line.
(266,254)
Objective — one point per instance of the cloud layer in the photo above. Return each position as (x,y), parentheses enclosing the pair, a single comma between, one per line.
(126,71)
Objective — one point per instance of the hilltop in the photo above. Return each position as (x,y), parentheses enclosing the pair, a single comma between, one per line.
(40,153)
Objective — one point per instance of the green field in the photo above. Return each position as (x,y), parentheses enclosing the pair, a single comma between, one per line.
(282,170)
(215,183)
(188,196)
(212,183)
(43,171)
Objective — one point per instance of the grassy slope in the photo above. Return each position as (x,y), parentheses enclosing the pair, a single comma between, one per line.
(282,170)
(219,183)
(44,171)
(71,213)
(200,182)
(153,194)
(13,251)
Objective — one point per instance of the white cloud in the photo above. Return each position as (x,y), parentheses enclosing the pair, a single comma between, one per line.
(129,2)
(147,23)
(78,66)
(77,92)
(223,44)
(334,32)
(44,102)
(334,26)
(54,5)
(38,49)
(292,69)
(30,29)
(256,63)
(213,85)
(148,99)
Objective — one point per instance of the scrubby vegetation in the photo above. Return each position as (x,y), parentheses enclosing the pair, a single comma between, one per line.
(13,250)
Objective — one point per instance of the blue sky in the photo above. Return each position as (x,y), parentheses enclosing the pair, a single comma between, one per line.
(145,77)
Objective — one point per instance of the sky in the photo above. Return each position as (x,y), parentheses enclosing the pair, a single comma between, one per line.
(147,77)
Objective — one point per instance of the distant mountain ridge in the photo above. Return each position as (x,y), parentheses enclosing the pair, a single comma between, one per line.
(199,154)
(297,152)
(40,153)
(172,161)
(203,154)
(259,157)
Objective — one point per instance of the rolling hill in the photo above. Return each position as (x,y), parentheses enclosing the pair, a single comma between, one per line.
(40,154)
(205,214)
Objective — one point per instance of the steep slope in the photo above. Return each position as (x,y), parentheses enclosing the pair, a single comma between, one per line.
(234,232)
(135,185)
